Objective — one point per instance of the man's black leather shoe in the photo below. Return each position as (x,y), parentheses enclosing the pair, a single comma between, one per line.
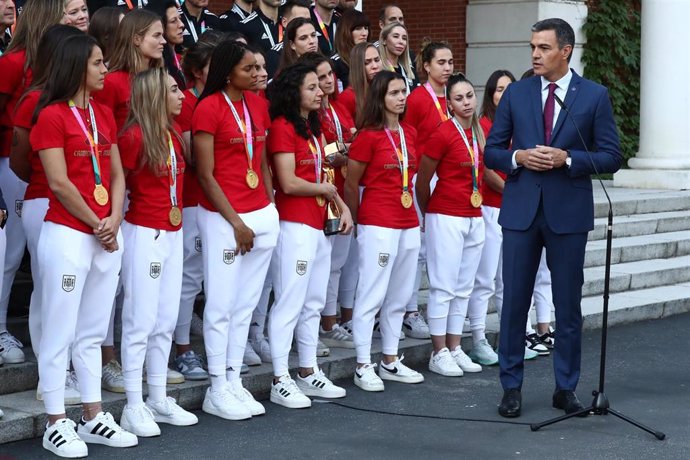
(567,400)
(511,404)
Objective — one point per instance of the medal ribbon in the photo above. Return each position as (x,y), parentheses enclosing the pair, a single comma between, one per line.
(315,149)
(437,103)
(245,127)
(402,156)
(336,122)
(324,29)
(172,171)
(129,4)
(474,157)
(93,140)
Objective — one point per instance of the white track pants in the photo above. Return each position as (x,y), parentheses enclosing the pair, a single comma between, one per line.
(339,255)
(13,189)
(349,276)
(387,264)
(300,269)
(260,313)
(151,279)
(79,282)
(33,214)
(192,273)
(233,283)
(454,247)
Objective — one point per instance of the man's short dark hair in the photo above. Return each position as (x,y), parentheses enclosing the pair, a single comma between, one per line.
(384,8)
(565,35)
(290,4)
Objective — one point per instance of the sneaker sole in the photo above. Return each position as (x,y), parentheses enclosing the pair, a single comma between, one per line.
(397,378)
(14,360)
(483,362)
(196,378)
(316,393)
(332,343)
(97,439)
(439,371)
(290,404)
(414,335)
(252,363)
(370,388)
(211,409)
(142,434)
(119,390)
(49,446)
(171,421)
(322,353)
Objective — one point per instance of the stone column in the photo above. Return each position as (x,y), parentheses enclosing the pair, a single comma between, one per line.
(663,160)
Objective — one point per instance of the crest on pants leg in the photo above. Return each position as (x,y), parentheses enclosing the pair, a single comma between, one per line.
(155,271)
(301,267)
(68,282)
(228,256)
(383,258)
(197,244)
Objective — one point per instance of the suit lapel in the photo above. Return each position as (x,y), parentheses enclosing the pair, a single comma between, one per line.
(535,97)
(570,97)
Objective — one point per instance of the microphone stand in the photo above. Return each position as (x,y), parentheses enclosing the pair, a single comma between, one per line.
(600,404)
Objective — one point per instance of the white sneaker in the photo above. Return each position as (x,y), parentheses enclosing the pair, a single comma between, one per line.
(366,378)
(2,414)
(415,326)
(11,349)
(62,440)
(250,356)
(286,393)
(246,398)
(111,377)
(138,419)
(225,405)
(103,429)
(170,412)
(322,350)
(530,354)
(173,377)
(72,395)
(398,372)
(483,354)
(197,326)
(337,337)
(318,385)
(443,363)
(347,326)
(464,361)
(262,348)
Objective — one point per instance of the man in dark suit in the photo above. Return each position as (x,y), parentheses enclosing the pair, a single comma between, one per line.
(547,201)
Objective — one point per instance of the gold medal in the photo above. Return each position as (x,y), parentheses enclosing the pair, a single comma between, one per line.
(320,200)
(175,216)
(252,179)
(406,200)
(100,194)
(476,199)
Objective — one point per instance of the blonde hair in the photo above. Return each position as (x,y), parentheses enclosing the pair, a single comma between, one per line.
(124,54)
(149,110)
(36,17)
(404,60)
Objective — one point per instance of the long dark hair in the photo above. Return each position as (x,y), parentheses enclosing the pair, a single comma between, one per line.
(224,58)
(103,27)
(374,114)
(285,96)
(488,106)
(349,21)
(199,54)
(289,56)
(47,48)
(68,72)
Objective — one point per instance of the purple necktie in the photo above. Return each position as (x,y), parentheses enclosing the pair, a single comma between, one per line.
(548,113)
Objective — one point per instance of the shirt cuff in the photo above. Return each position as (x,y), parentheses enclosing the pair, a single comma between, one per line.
(514,160)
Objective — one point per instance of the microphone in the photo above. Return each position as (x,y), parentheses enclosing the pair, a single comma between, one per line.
(584,145)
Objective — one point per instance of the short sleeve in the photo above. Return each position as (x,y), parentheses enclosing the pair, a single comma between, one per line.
(436,145)
(24,112)
(361,148)
(206,116)
(49,131)
(12,71)
(129,145)
(281,138)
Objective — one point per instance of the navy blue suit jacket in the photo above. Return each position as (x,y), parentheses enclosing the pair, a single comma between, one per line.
(568,204)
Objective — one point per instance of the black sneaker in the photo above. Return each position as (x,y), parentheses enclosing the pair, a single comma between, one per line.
(548,339)
(533,343)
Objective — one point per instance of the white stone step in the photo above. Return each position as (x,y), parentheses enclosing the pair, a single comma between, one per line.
(642,247)
(642,224)
(638,275)
(634,201)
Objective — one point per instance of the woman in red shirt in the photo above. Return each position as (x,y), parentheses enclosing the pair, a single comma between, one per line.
(383,159)
(76,141)
(15,68)
(337,127)
(302,258)
(237,220)
(365,62)
(26,164)
(151,150)
(138,45)
(453,224)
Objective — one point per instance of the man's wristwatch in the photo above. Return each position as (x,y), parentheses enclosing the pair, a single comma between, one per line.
(568,159)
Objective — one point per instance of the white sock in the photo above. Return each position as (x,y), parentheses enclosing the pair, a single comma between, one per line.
(134,398)
(478,335)
(157,393)
(218,382)
(233,374)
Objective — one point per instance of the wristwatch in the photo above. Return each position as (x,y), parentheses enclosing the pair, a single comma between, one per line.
(568,159)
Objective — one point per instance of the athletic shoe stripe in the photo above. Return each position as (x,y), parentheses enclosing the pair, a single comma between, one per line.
(110,434)
(53,436)
(103,431)
(60,442)
(96,428)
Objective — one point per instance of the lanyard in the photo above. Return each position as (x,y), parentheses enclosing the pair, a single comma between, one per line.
(315,149)
(401,154)
(474,153)
(195,92)
(192,28)
(172,171)
(336,122)
(444,114)
(324,29)
(93,140)
(245,128)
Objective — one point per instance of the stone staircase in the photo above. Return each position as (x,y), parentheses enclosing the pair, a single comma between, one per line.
(650,278)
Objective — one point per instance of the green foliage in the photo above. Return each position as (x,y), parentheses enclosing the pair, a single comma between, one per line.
(612,58)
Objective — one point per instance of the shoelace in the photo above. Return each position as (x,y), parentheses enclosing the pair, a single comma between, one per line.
(194,360)
(66,428)
(7,340)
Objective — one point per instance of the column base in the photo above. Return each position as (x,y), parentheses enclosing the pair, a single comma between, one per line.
(664,179)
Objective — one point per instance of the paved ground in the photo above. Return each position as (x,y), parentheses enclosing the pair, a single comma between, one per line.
(648,379)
